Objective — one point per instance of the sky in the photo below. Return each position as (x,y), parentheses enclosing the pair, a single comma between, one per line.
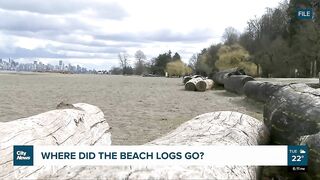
(92,33)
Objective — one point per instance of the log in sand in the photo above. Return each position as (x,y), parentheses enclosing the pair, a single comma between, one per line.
(291,112)
(191,84)
(235,83)
(261,91)
(188,78)
(83,124)
(292,115)
(313,142)
(220,76)
(88,127)
(217,128)
(204,85)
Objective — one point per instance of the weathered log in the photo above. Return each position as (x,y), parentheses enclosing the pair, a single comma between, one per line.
(313,142)
(235,83)
(220,76)
(197,76)
(84,124)
(217,128)
(260,91)
(204,85)
(314,85)
(191,84)
(186,79)
(291,112)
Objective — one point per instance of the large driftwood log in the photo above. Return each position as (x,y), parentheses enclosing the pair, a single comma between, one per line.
(260,91)
(292,115)
(204,85)
(220,76)
(218,128)
(188,78)
(191,84)
(291,112)
(313,142)
(235,83)
(84,124)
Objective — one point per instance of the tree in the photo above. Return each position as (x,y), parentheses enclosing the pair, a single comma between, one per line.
(176,57)
(160,63)
(177,68)
(304,38)
(139,64)
(212,57)
(140,56)
(230,36)
(203,63)
(235,56)
(116,70)
(263,35)
(123,59)
(305,50)
(193,61)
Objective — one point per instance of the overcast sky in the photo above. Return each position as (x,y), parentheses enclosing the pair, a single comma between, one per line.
(92,32)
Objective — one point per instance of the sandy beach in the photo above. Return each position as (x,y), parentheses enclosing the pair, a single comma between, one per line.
(139,109)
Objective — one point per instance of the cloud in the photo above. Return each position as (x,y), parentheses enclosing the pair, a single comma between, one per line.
(109,10)
(76,48)
(76,29)
(62,51)
(18,52)
(100,29)
(27,22)
(164,35)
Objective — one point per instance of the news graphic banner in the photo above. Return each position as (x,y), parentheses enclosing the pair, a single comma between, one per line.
(160,155)
(304,13)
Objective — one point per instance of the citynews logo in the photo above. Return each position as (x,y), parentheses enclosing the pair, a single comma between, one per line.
(22,155)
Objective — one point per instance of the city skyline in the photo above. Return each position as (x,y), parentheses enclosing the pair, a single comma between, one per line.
(38,66)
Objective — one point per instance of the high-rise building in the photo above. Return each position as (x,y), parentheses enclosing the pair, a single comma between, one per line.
(61,66)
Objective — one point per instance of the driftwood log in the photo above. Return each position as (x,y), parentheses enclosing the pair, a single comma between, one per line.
(235,83)
(292,111)
(218,128)
(188,78)
(204,85)
(83,124)
(313,142)
(191,84)
(219,77)
(292,115)
(260,91)
(86,126)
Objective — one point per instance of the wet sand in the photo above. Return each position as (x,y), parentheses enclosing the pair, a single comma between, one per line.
(139,109)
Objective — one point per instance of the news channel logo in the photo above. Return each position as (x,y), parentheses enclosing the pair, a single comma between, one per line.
(22,155)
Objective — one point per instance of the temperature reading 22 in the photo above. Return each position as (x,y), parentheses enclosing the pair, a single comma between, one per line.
(297,158)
